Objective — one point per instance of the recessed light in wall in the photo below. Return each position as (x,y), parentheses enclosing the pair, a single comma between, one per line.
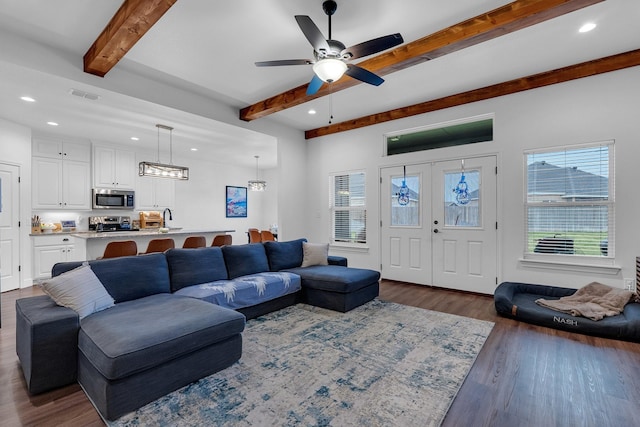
(194,149)
(587,27)
(27,99)
(52,123)
(312,111)
(135,138)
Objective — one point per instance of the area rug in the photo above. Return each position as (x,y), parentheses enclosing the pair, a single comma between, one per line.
(382,364)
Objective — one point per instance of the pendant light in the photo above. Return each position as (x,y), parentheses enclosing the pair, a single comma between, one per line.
(256,184)
(160,170)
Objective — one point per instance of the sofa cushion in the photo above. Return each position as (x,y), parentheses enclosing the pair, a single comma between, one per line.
(80,290)
(242,260)
(245,291)
(315,254)
(335,278)
(127,278)
(284,255)
(194,266)
(137,335)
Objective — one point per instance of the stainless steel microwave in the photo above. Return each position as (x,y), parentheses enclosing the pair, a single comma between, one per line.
(106,198)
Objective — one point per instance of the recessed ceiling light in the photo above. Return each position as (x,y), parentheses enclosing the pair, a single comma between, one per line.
(135,138)
(27,99)
(194,149)
(312,111)
(52,123)
(587,27)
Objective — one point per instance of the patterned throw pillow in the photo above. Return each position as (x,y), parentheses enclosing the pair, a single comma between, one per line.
(315,254)
(80,290)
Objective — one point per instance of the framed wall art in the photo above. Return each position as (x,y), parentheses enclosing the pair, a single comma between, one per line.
(236,204)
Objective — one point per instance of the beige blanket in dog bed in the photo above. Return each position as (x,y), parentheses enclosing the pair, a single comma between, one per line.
(594,301)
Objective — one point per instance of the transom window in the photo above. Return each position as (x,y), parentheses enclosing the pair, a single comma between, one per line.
(570,201)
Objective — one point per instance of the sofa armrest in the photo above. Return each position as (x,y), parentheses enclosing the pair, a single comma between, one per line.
(46,343)
(337,260)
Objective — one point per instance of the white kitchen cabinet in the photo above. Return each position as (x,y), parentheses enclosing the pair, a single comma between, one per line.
(58,182)
(59,149)
(113,168)
(51,249)
(154,194)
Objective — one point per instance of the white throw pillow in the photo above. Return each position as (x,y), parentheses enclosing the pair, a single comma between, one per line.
(315,254)
(80,290)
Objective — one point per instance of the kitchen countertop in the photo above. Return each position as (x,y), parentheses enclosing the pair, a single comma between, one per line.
(150,232)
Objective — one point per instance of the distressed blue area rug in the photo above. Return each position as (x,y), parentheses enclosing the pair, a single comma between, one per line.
(382,364)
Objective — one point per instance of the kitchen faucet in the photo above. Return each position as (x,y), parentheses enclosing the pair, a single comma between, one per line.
(164,221)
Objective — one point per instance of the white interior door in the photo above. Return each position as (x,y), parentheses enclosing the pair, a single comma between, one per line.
(437,235)
(9,231)
(406,224)
(464,234)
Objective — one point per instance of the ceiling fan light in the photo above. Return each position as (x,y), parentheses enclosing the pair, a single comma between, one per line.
(329,70)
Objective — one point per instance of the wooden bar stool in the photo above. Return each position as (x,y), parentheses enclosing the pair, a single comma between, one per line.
(254,236)
(194,242)
(160,245)
(267,236)
(222,240)
(118,249)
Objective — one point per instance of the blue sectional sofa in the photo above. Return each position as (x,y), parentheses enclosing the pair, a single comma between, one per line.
(177,317)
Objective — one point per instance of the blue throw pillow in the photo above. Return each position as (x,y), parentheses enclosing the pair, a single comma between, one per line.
(242,260)
(283,255)
(189,267)
(127,278)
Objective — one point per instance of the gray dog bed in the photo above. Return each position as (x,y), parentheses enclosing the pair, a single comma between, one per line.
(517,301)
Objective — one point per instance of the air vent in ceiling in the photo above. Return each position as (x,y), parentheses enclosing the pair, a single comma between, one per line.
(83,94)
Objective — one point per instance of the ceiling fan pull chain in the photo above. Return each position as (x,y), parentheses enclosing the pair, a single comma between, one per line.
(330,103)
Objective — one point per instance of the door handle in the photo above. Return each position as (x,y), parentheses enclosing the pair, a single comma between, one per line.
(435,230)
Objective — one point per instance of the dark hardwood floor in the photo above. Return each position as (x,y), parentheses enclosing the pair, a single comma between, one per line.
(524,376)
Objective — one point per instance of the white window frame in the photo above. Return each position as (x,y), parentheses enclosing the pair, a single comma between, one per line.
(359,208)
(575,262)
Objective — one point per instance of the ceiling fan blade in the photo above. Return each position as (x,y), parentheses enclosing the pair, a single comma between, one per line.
(284,62)
(363,75)
(312,33)
(373,46)
(314,85)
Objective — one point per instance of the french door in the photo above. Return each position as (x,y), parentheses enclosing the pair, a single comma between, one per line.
(439,224)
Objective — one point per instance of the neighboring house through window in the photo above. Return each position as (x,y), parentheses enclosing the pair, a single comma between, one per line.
(348,208)
(570,201)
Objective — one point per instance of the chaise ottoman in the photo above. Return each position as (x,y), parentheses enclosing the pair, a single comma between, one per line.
(337,287)
(134,353)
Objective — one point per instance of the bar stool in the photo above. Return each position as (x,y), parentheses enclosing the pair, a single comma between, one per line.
(222,240)
(118,249)
(267,236)
(160,245)
(254,236)
(194,242)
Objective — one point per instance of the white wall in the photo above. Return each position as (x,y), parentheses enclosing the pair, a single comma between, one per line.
(598,108)
(15,149)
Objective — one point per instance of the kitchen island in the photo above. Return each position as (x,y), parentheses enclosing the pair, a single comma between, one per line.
(95,242)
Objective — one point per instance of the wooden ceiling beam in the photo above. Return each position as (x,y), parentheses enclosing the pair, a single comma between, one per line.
(126,27)
(487,26)
(560,75)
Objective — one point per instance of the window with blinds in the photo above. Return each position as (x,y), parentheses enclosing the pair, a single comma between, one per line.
(570,201)
(349,208)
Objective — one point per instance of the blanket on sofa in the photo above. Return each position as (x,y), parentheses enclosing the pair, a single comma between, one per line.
(594,301)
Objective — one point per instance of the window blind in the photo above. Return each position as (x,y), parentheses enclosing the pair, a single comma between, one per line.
(569,204)
(349,208)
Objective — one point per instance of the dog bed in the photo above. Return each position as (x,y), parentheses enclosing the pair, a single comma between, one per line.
(517,301)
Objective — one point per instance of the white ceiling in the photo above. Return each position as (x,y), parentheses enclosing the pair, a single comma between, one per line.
(212,45)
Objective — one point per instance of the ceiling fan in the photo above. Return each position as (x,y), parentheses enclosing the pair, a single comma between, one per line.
(331,56)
